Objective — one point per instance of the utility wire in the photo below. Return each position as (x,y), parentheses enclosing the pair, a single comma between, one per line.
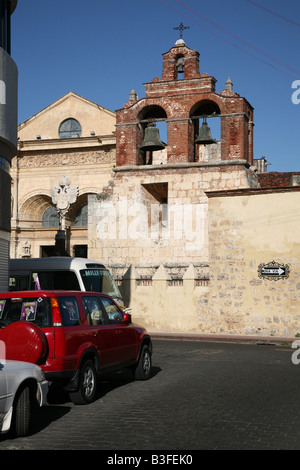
(228,42)
(274,13)
(240,39)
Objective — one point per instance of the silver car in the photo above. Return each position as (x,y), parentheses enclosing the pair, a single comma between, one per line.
(22,385)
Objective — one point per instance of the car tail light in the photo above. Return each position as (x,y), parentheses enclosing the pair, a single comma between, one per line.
(56,316)
(127,318)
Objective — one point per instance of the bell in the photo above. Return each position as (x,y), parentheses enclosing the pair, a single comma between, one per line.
(180,65)
(180,68)
(152,140)
(204,136)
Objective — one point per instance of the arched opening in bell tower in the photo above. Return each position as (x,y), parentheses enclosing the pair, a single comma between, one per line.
(179,66)
(206,122)
(151,135)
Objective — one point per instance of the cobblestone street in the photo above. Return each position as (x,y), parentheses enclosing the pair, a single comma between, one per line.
(202,396)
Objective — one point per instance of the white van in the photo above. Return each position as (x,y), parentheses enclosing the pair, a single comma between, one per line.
(62,273)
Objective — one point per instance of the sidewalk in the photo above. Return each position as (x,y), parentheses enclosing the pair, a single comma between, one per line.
(224,338)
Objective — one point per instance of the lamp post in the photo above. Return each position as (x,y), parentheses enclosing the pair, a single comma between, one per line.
(62,197)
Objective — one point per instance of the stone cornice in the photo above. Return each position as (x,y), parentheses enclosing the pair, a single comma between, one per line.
(63,144)
(251,191)
(178,166)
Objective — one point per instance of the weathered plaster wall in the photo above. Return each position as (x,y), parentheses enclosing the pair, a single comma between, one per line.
(245,231)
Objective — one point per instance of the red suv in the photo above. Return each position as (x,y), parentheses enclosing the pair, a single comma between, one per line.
(73,336)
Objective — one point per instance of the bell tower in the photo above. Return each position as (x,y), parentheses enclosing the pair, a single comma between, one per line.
(184,98)
(171,161)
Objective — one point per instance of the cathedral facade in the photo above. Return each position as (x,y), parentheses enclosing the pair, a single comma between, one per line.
(72,138)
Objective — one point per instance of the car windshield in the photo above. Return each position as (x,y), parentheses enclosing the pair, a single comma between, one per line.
(36,310)
(100,280)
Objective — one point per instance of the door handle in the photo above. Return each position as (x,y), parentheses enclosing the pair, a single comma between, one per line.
(95,334)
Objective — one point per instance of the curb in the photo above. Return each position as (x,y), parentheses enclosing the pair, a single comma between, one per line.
(271,340)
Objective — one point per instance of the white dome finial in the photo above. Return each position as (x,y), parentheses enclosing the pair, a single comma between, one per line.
(180,42)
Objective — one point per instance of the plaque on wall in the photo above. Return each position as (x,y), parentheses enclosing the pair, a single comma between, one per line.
(273,271)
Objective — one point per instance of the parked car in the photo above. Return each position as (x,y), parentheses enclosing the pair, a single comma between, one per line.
(73,336)
(22,386)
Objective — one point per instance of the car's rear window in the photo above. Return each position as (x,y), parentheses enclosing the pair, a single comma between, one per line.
(36,310)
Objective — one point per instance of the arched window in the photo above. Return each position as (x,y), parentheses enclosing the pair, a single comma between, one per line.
(81,217)
(50,218)
(70,128)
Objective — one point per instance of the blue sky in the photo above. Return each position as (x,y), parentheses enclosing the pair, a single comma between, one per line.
(102,50)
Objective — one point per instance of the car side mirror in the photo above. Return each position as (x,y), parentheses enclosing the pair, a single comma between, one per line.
(127,318)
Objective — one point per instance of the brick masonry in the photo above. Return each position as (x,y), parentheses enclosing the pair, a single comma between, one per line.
(180,103)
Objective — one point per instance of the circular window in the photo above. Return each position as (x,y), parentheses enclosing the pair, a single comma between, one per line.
(70,128)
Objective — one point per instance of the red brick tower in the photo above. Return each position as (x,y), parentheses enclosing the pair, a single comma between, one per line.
(182,97)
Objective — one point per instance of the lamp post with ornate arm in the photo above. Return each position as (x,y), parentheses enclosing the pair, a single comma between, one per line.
(62,197)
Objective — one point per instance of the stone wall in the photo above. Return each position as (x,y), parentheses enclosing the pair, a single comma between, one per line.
(247,229)
(168,300)
(219,291)
(129,226)
(151,231)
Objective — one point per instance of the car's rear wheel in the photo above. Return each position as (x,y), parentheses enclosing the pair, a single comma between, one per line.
(143,369)
(87,385)
(21,413)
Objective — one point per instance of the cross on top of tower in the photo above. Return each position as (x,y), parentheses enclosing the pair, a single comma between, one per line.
(181,28)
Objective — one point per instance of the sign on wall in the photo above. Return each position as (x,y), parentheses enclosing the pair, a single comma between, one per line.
(273,271)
